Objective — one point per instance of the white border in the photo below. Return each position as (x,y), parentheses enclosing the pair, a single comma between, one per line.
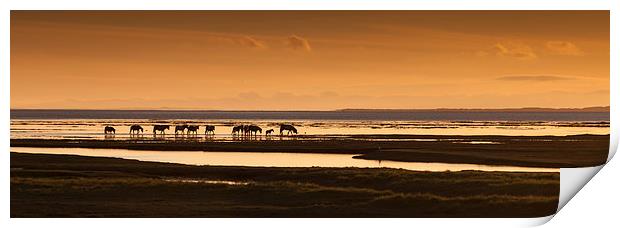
(7,5)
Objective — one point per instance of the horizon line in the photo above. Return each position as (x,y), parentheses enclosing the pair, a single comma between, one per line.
(589,108)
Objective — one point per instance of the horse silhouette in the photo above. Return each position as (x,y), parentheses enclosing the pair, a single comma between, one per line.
(289,128)
(253,129)
(160,128)
(269,132)
(192,129)
(246,129)
(210,128)
(237,129)
(180,128)
(135,128)
(109,130)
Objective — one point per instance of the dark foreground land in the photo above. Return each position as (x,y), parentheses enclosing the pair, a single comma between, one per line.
(531,151)
(77,186)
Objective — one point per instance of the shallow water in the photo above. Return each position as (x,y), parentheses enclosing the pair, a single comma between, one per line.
(312,125)
(93,128)
(206,181)
(271,159)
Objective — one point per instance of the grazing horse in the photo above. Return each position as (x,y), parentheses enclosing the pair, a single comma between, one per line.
(254,129)
(237,130)
(210,128)
(160,128)
(246,129)
(109,129)
(192,128)
(269,132)
(289,128)
(180,128)
(135,128)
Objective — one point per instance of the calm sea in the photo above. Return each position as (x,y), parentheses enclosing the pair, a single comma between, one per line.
(90,123)
(312,115)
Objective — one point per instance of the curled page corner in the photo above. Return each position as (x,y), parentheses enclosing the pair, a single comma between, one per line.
(541,221)
(572,180)
(613,141)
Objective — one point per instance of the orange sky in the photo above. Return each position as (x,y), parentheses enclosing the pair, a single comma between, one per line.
(309,60)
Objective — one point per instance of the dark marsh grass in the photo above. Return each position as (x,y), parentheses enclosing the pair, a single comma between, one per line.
(77,186)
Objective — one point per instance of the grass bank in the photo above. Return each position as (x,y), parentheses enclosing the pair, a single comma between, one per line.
(77,186)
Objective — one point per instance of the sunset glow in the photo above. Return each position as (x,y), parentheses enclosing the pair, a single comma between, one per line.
(309,60)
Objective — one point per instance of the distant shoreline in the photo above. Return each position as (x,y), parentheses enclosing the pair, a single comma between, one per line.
(588,109)
(523,109)
(346,114)
(528,109)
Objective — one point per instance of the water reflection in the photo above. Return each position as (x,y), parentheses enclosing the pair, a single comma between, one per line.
(93,128)
(205,181)
(270,159)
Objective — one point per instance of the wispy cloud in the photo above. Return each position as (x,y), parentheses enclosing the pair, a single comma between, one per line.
(515,50)
(563,48)
(298,43)
(539,78)
(248,41)
(332,101)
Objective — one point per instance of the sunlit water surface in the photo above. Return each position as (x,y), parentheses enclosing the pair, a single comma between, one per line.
(93,128)
(270,159)
(41,128)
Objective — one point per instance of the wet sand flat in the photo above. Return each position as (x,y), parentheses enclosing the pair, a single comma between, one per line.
(529,151)
(45,185)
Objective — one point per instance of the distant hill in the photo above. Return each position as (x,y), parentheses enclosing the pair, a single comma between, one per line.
(529,109)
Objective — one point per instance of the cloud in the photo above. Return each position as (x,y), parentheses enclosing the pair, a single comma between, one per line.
(515,50)
(298,43)
(538,78)
(291,101)
(563,48)
(248,41)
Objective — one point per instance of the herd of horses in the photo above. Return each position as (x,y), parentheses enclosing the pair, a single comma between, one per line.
(239,130)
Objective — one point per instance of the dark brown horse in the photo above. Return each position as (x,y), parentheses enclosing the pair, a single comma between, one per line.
(269,132)
(192,129)
(289,128)
(109,130)
(210,128)
(180,128)
(237,130)
(246,129)
(160,128)
(253,129)
(135,128)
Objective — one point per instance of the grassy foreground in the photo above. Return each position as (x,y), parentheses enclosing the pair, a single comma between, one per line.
(77,186)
